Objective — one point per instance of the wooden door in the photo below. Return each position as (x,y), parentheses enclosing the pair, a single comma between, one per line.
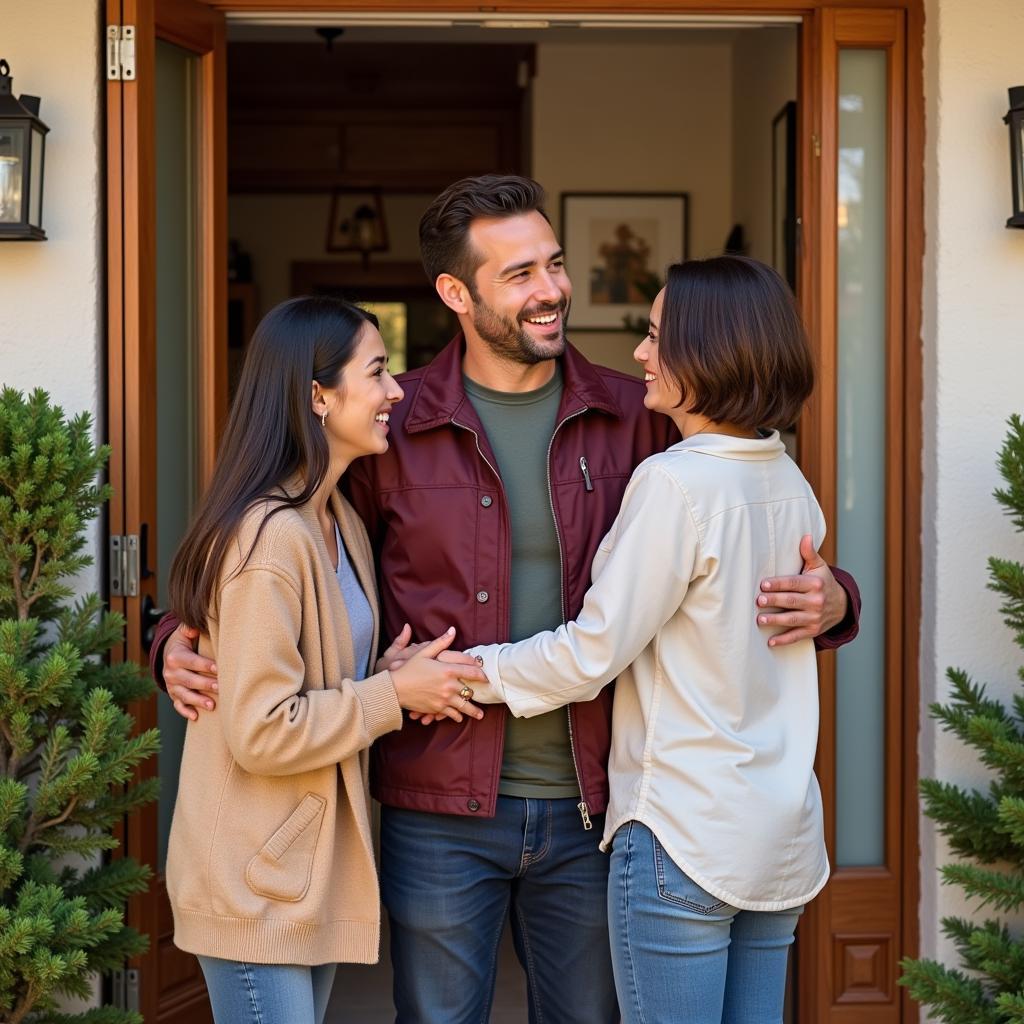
(167,273)
(854,280)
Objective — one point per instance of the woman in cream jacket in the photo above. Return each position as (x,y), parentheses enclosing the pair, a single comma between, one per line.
(270,868)
(714,821)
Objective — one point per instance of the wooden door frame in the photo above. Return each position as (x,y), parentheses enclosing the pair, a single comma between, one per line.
(837,28)
(131,297)
(905,467)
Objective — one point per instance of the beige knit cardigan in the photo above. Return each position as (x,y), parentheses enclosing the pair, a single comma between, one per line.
(271,857)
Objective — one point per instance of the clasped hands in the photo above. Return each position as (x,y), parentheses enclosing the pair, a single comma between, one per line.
(804,606)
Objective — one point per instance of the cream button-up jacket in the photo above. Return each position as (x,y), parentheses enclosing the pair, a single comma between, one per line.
(714,732)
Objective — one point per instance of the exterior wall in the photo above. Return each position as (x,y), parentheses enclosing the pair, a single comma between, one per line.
(52,293)
(973,369)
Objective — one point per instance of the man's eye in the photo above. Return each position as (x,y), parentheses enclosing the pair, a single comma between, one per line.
(558,265)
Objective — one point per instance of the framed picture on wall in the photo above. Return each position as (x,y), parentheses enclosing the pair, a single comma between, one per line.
(357,223)
(617,246)
(784,193)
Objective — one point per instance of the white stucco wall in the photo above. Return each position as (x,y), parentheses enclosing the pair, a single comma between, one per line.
(52,292)
(974,379)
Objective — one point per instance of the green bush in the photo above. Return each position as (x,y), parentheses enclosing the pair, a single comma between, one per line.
(67,751)
(984,829)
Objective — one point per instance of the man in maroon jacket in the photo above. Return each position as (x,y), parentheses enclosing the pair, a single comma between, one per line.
(508,460)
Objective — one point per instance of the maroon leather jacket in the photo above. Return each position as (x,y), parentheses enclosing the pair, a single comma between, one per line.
(438,520)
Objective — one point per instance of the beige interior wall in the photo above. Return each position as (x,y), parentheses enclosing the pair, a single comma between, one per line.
(648,118)
(764,80)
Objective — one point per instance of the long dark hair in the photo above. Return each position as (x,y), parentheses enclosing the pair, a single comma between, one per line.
(272,433)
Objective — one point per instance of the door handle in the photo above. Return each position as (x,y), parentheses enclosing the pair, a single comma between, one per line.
(151,615)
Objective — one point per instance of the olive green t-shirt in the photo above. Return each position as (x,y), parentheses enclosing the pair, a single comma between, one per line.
(538,757)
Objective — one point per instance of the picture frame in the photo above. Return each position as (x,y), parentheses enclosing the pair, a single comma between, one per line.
(784,193)
(618,246)
(357,222)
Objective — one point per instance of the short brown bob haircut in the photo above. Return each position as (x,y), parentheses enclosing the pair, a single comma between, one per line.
(444,228)
(732,338)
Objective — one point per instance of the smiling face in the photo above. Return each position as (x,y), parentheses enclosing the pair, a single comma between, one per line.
(518,301)
(663,391)
(359,406)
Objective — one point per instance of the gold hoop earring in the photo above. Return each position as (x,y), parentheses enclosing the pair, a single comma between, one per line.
(323,419)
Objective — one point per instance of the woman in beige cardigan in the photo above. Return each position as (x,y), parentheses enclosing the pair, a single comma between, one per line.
(270,869)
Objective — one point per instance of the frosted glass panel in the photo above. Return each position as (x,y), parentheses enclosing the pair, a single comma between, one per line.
(176,356)
(861,455)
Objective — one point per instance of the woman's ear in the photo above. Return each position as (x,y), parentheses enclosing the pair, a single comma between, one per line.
(317,399)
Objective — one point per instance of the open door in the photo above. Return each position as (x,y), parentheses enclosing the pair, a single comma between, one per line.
(167,279)
(854,281)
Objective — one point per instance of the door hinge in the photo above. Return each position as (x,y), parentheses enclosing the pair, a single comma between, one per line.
(125,995)
(816,142)
(121,53)
(124,565)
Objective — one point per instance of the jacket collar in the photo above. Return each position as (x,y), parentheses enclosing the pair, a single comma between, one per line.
(441,394)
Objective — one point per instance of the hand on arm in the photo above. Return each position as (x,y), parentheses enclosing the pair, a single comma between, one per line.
(807,605)
(190,679)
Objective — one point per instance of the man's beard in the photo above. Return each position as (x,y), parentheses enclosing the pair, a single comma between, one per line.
(508,337)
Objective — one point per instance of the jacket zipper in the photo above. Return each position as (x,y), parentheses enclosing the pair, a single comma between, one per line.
(582,805)
(585,469)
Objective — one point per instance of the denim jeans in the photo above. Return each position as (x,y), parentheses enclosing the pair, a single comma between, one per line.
(450,882)
(681,954)
(244,993)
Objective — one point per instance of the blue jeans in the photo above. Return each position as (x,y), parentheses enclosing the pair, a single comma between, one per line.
(244,993)
(681,954)
(450,882)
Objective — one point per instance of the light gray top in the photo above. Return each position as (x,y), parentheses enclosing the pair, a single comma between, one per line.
(360,614)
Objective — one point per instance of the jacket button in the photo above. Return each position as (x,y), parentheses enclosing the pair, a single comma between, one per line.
(473,805)
(486,501)
(482,596)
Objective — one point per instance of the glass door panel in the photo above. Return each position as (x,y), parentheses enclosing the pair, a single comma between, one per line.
(851,935)
(861,441)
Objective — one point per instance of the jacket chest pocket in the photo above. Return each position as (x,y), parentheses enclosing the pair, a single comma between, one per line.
(282,869)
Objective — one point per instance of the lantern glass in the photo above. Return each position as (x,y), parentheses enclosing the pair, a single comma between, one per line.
(35,166)
(1018,124)
(12,165)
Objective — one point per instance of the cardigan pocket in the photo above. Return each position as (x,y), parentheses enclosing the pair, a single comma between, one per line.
(284,865)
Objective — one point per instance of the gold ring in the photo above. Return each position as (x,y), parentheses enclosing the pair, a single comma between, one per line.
(465,693)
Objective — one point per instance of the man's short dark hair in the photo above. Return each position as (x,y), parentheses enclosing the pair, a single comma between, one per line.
(444,229)
(731,336)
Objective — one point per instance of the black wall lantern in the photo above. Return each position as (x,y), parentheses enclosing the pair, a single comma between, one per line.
(22,142)
(1015,119)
